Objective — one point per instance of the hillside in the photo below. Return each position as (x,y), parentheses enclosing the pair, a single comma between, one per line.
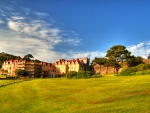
(108,94)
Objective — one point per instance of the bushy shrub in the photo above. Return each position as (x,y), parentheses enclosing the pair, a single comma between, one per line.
(97,75)
(81,74)
(128,71)
(146,66)
(88,74)
(140,73)
(140,69)
(84,74)
(71,74)
(20,72)
(148,71)
(78,75)
(63,75)
(143,72)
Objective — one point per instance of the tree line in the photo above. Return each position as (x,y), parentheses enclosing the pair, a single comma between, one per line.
(118,56)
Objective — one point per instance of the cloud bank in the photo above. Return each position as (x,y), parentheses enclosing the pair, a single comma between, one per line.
(30,31)
(142,49)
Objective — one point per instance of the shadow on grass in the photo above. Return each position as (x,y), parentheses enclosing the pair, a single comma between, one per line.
(10,81)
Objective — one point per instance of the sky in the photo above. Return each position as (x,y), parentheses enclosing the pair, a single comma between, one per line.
(67,29)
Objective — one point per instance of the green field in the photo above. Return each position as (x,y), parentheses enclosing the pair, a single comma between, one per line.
(2,76)
(108,94)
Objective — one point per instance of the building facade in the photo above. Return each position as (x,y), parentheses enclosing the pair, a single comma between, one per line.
(64,66)
(44,69)
(9,67)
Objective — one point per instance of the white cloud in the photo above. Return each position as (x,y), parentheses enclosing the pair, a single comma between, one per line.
(17,17)
(41,15)
(74,41)
(1,22)
(142,49)
(26,32)
(140,44)
(24,45)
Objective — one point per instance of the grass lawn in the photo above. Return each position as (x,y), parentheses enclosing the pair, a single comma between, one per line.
(2,76)
(108,94)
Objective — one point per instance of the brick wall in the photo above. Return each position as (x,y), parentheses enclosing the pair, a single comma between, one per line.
(103,69)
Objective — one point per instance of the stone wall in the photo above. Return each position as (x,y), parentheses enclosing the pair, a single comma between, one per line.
(146,60)
(103,69)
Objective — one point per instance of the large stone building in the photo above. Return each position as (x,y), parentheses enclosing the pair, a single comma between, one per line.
(33,69)
(79,64)
(9,67)
(44,69)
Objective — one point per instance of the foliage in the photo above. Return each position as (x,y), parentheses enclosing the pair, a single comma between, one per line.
(134,61)
(28,57)
(128,71)
(146,66)
(84,74)
(118,52)
(5,56)
(88,74)
(20,72)
(97,75)
(37,61)
(143,72)
(71,74)
(63,75)
(140,69)
(81,74)
(100,61)
(116,55)
(78,75)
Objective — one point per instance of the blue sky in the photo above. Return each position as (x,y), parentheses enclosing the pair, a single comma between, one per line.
(54,29)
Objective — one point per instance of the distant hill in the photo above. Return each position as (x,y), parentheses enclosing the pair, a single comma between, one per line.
(6,56)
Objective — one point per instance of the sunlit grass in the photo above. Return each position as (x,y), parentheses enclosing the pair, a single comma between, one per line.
(107,94)
(2,76)
(2,81)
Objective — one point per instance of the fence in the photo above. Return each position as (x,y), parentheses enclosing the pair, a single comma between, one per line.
(8,81)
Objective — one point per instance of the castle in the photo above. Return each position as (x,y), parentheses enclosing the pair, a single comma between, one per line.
(44,69)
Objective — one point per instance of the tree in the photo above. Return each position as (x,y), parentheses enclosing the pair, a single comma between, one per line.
(100,61)
(20,72)
(28,57)
(37,61)
(134,61)
(117,54)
